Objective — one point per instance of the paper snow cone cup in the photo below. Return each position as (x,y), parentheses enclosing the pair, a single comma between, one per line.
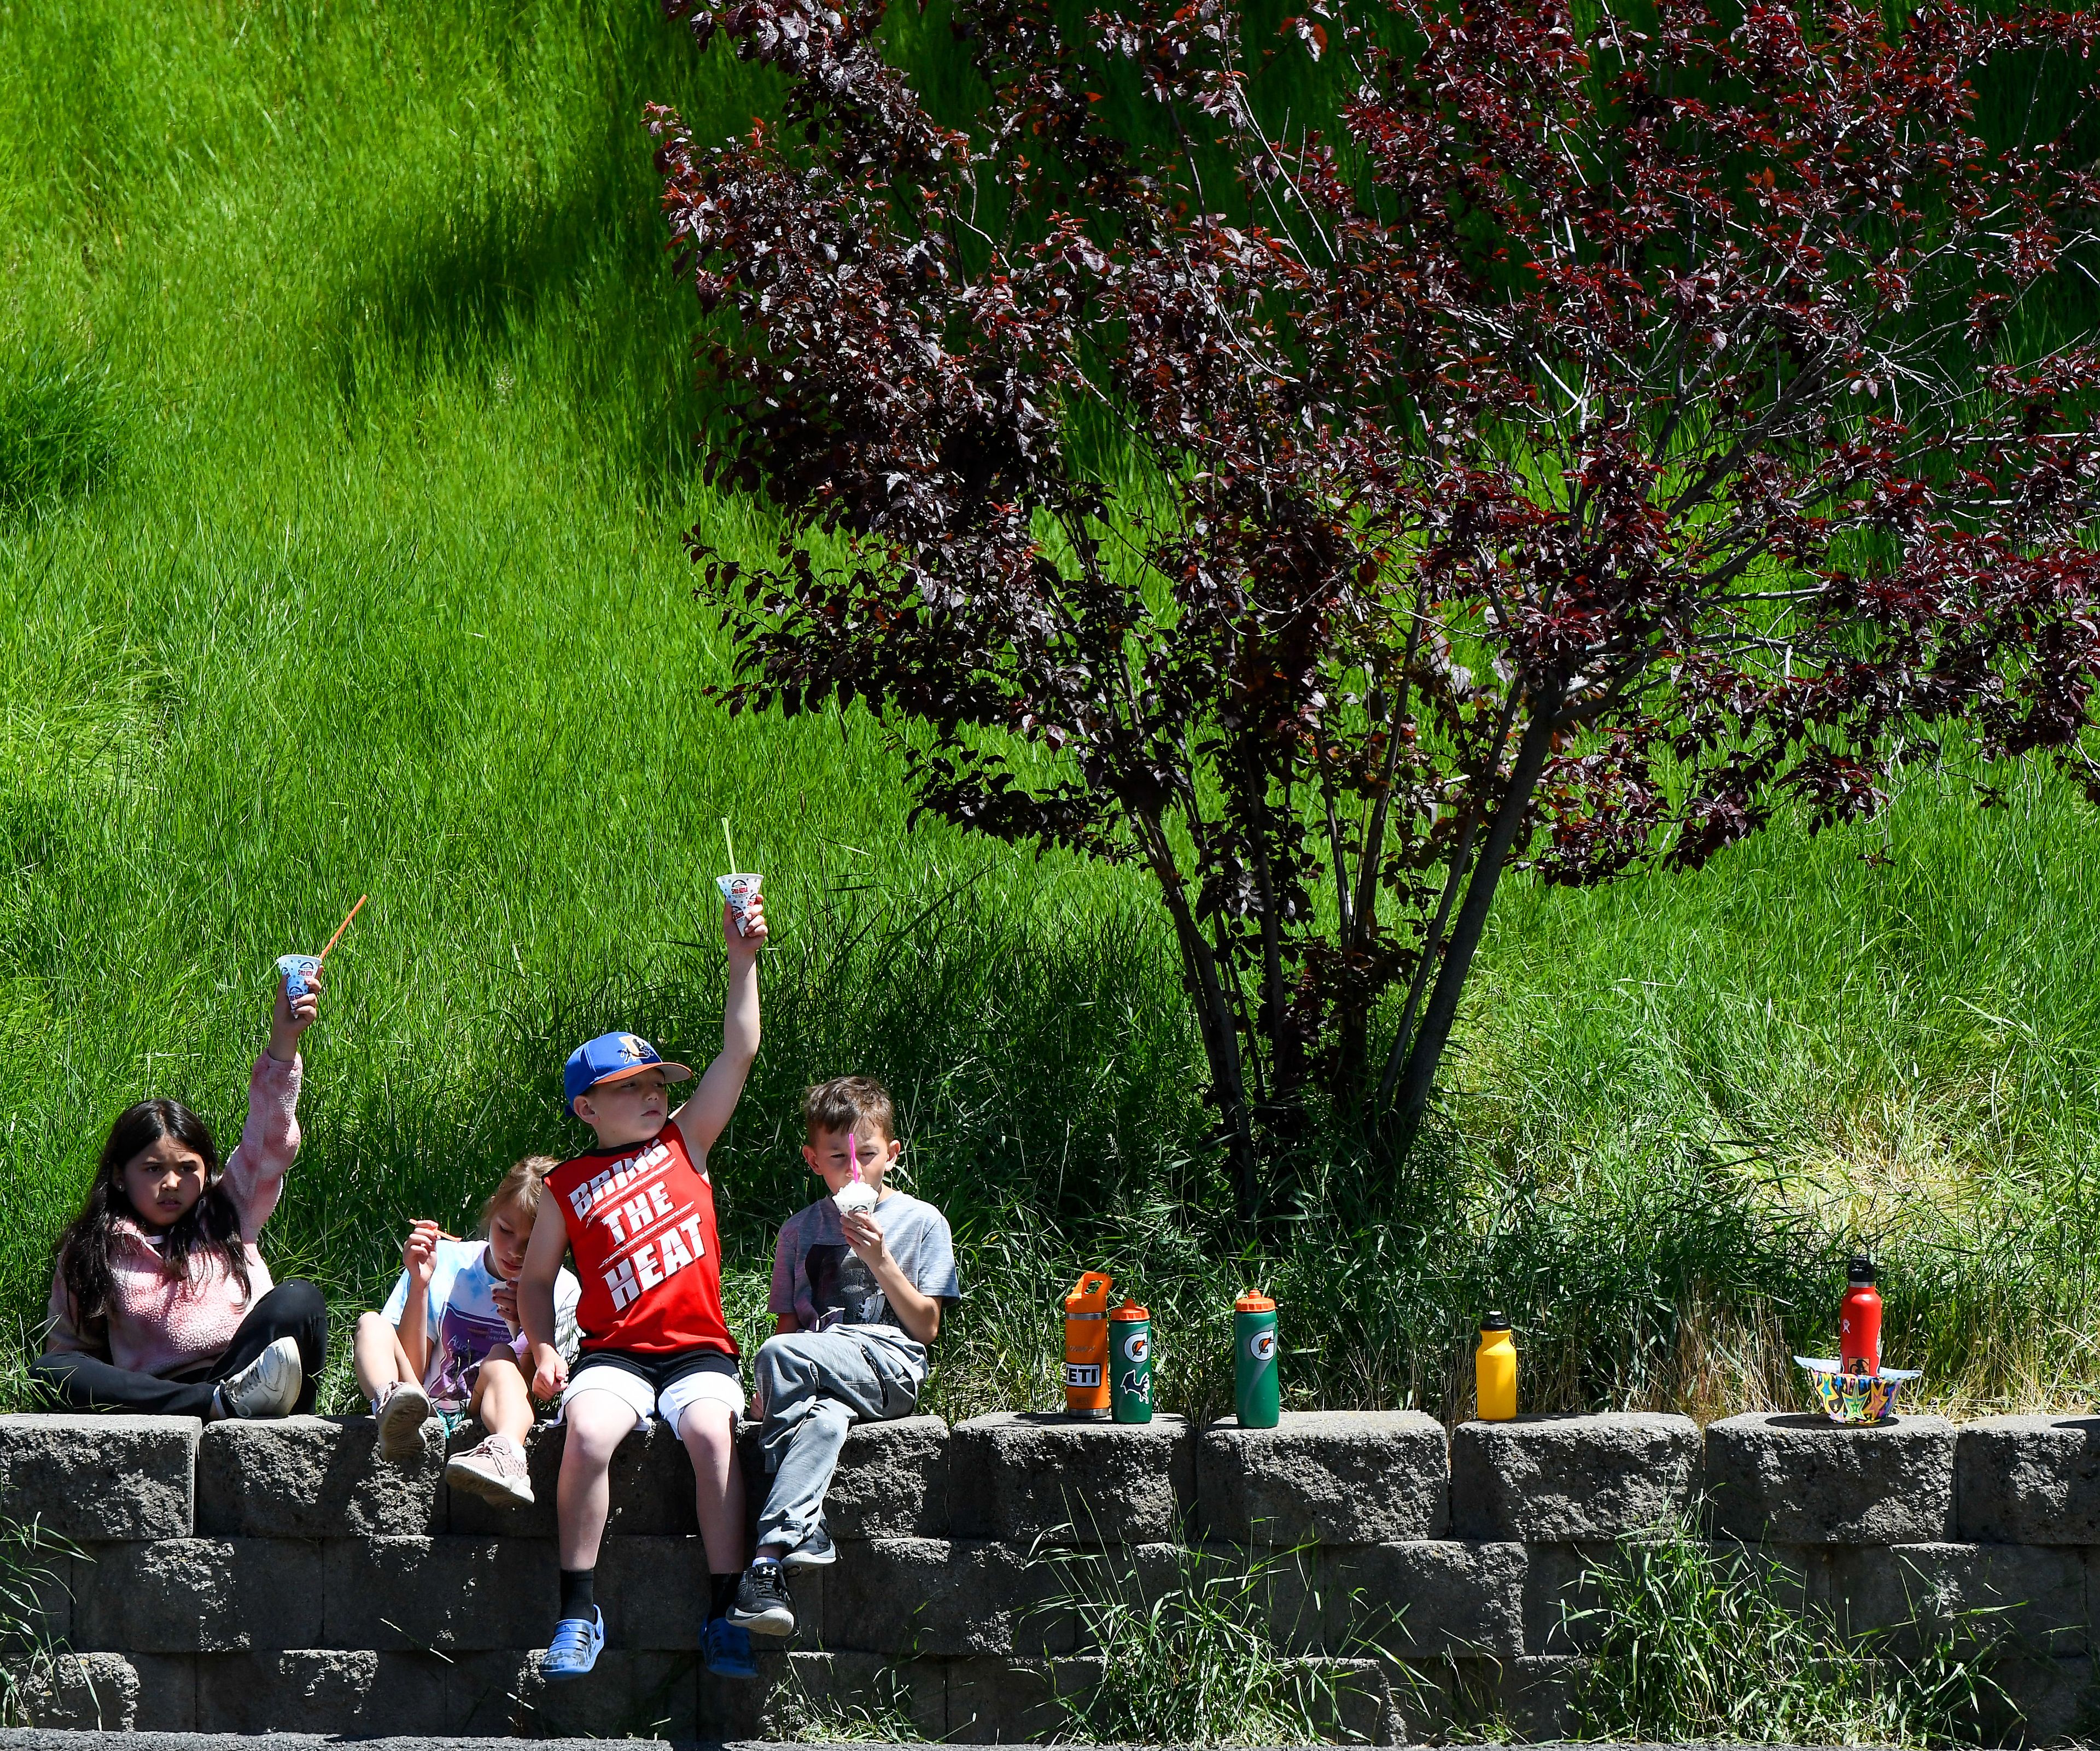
(294,969)
(739,891)
(859,1195)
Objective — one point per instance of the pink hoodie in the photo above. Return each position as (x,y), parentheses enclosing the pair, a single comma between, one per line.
(161,1324)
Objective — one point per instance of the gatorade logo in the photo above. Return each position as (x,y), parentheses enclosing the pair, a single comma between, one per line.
(1136,1347)
(1262,1346)
(1082,1373)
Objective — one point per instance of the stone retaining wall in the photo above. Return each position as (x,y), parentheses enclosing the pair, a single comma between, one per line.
(254,1576)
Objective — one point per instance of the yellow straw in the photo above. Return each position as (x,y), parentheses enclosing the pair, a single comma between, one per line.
(729,845)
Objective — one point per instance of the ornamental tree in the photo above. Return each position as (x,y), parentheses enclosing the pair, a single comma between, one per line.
(1622,425)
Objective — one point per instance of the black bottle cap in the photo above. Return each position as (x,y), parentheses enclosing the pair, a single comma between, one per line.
(1863,1270)
(1495,1321)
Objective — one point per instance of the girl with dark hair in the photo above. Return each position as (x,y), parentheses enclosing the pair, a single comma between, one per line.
(159,1299)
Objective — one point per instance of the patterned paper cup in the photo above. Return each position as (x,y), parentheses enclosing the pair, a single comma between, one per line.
(1855,1398)
(739,891)
(293,969)
(859,1195)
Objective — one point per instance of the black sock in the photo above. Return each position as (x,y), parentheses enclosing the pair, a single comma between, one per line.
(579,1592)
(722,1596)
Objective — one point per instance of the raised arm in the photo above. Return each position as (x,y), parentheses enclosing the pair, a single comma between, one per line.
(705,1117)
(535,1301)
(255,1171)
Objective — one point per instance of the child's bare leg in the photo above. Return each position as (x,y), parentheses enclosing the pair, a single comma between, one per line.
(709,1433)
(380,1360)
(500,1401)
(598,1423)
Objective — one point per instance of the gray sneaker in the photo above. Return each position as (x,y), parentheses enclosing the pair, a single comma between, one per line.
(402,1414)
(268,1386)
(815,1551)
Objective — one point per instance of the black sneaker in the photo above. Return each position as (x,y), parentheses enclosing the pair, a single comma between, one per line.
(815,1551)
(762,1604)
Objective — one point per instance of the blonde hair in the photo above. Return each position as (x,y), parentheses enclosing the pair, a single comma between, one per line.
(844,1102)
(519,1188)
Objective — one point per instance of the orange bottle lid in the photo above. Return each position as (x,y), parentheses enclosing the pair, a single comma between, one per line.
(1129,1310)
(1090,1294)
(1251,1302)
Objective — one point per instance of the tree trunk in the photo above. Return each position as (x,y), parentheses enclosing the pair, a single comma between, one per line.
(1427,1052)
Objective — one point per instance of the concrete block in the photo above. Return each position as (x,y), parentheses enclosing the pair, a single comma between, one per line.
(93,1692)
(2028,1480)
(1012,1702)
(1563,1608)
(1560,1479)
(1801,1479)
(1434,1597)
(295,1690)
(1290,1589)
(1029,1476)
(1334,1476)
(199,1596)
(40,1605)
(1528,1699)
(167,1692)
(654,1593)
(735,1710)
(93,1478)
(486,1691)
(627,1696)
(892,1481)
(823,1697)
(313,1477)
(406,1595)
(931,1597)
(2042,1701)
(1910,1597)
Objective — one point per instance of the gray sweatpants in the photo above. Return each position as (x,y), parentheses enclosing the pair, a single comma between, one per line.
(816,1385)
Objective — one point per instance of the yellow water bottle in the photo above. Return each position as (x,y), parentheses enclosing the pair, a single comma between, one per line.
(1494,1370)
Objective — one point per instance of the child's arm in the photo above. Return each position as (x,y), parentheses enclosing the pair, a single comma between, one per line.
(419,1258)
(255,1172)
(536,1303)
(61,1335)
(918,1313)
(705,1117)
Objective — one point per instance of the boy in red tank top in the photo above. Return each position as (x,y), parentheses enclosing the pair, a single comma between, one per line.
(638,1212)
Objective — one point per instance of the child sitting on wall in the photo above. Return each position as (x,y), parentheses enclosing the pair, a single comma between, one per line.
(159,1299)
(860,1278)
(638,1212)
(448,1341)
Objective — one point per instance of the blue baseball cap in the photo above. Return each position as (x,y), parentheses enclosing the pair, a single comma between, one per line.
(613,1058)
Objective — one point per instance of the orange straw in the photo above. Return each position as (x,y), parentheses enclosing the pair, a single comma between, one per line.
(343,926)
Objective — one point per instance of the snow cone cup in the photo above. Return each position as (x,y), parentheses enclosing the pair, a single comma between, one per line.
(855,1193)
(739,891)
(293,969)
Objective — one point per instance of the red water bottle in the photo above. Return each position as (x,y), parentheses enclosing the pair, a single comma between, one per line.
(1859,1321)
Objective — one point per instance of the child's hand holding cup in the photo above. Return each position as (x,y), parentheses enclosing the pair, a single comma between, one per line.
(747,908)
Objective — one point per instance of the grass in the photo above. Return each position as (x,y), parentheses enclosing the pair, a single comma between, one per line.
(344,452)
(1697,1643)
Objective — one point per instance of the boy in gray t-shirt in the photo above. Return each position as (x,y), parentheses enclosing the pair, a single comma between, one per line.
(860,1280)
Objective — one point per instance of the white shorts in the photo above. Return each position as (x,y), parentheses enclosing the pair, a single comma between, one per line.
(664,1386)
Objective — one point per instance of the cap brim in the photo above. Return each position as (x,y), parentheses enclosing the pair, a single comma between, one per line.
(672,1073)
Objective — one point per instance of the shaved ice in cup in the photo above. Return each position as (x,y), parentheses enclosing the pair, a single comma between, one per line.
(739,891)
(856,1194)
(294,969)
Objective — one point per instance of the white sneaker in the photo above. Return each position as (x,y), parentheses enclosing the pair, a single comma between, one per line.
(268,1386)
(495,1471)
(402,1414)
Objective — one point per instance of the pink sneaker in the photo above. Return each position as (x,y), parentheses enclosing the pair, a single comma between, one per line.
(495,1471)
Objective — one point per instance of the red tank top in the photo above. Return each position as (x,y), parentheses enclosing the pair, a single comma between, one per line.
(642,1224)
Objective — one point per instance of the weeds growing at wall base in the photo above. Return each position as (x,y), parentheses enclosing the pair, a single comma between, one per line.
(1696,1643)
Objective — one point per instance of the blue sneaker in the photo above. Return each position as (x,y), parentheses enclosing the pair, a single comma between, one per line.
(726,1650)
(574,1650)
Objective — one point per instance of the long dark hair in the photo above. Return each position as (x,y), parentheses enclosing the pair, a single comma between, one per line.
(210,1228)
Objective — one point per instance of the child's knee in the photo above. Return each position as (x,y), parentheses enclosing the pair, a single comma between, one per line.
(597,1423)
(709,1423)
(373,1327)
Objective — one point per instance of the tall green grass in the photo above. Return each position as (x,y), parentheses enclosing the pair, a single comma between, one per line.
(345,444)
